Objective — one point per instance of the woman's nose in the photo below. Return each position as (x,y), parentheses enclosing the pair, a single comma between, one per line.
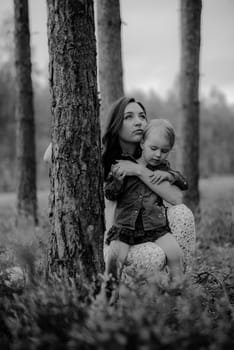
(138,121)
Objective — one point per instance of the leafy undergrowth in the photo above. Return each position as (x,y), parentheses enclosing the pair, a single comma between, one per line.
(54,315)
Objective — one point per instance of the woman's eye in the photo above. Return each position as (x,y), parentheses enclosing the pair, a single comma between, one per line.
(142,116)
(164,150)
(128,116)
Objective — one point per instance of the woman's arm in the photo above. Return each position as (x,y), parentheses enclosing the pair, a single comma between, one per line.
(170,193)
(167,191)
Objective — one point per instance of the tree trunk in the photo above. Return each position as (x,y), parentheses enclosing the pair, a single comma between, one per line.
(76,242)
(25,129)
(190,51)
(109,54)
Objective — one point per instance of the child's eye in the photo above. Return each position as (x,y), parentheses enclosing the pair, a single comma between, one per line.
(165,150)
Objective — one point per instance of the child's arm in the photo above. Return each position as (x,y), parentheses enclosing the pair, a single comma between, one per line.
(179,180)
(168,192)
(165,173)
(113,187)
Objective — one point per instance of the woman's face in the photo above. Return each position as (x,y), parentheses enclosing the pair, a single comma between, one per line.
(134,122)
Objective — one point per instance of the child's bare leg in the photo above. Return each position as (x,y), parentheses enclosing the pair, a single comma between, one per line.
(174,256)
(116,256)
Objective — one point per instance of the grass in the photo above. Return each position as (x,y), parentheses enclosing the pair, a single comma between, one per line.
(54,316)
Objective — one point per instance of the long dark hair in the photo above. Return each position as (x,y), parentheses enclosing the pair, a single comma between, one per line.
(110,140)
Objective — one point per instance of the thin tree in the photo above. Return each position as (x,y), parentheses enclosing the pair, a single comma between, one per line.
(109,54)
(24,112)
(190,53)
(78,211)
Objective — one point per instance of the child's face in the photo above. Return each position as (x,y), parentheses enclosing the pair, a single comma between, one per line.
(155,147)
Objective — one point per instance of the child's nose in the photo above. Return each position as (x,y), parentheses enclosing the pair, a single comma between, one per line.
(158,153)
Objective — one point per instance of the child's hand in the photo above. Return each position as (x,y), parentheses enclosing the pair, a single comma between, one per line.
(159,176)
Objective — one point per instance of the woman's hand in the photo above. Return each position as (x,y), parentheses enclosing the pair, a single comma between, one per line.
(118,173)
(127,167)
(158,176)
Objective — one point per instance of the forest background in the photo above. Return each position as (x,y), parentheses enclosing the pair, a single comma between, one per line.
(216,115)
(54,315)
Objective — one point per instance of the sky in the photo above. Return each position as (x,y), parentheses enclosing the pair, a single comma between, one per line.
(151,43)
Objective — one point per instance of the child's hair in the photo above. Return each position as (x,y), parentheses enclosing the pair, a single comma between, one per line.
(162,124)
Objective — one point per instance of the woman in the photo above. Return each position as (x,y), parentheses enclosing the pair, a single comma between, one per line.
(125,124)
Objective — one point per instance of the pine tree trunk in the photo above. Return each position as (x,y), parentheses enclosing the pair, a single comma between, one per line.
(25,132)
(109,54)
(76,242)
(190,51)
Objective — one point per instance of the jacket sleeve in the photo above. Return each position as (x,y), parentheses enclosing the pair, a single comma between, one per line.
(112,188)
(179,180)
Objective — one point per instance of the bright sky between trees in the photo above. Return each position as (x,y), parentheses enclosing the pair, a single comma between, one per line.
(151,43)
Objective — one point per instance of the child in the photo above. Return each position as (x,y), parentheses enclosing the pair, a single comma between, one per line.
(140,215)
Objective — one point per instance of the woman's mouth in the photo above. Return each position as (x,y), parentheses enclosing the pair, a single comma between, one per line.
(138,132)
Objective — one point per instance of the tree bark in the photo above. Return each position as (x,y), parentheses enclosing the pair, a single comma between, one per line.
(109,54)
(190,52)
(24,112)
(76,242)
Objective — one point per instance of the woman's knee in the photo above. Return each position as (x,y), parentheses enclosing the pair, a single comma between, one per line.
(182,212)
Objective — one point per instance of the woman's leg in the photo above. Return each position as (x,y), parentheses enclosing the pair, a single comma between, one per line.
(182,225)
